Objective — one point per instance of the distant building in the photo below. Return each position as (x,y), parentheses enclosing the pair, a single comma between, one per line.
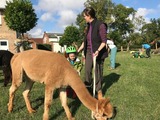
(53,39)
(7,36)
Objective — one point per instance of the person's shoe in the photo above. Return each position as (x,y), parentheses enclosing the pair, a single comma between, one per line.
(112,68)
(148,57)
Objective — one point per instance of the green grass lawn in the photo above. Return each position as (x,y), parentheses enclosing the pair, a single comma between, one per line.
(133,87)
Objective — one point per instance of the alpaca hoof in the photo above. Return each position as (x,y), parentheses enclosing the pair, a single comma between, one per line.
(9,108)
(32,111)
(72,118)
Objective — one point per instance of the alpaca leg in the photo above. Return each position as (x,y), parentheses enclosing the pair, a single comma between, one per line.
(63,98)
(12,90)
(27,89)
(47,102)
(16,82)
(7,75)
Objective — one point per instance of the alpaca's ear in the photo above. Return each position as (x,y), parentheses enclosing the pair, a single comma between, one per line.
(105,102)
(100,96)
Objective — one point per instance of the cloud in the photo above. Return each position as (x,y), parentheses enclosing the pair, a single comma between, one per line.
(67,18)
(36,32)
(57,13)
(144,12)
(54,6)
(46,16)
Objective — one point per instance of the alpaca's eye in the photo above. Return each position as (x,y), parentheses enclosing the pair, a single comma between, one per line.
(104,115)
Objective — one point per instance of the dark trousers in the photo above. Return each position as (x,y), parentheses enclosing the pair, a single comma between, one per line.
(98,71)
(148,52)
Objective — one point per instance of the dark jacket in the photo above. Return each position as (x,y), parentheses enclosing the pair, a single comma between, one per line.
(96,40)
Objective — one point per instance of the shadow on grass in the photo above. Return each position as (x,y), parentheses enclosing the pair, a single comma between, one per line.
(109,80)
(73,107)
(39,101)
(117,65)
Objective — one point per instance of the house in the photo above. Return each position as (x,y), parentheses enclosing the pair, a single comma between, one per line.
(35,41)
(7,36)
(53,39)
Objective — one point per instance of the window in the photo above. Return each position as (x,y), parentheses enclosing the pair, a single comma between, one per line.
(4,45)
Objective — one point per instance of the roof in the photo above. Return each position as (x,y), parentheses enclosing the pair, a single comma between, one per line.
(38,40)
(54,35)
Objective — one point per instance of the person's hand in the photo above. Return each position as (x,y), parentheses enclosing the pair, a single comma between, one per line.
(96,53)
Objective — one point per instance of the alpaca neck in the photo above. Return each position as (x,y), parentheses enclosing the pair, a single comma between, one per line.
(78,86)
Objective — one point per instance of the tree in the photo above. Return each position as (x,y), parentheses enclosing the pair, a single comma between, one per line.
(138,22)
(20,16)
(150,31)
(70,36)
(122,25)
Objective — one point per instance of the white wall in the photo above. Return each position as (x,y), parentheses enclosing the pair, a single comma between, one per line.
(57,48)
(53,40)
(3,3)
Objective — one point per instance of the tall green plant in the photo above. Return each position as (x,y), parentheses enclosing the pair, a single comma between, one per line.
(70,36)
(150,31)
(20,16)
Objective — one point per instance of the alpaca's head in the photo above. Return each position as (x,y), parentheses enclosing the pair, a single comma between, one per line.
(104,109)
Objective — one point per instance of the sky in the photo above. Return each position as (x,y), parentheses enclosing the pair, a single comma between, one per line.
(55,15)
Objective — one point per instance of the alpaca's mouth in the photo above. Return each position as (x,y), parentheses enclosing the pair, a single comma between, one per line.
(106,117)
(114,113)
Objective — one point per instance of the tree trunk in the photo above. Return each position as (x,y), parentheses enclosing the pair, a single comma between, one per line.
(127,48)
(121,48)
(156,46)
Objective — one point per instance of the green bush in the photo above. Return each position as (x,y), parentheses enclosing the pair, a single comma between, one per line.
(47,47)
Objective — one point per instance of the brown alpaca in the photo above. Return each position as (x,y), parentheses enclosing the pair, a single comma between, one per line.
(54,71)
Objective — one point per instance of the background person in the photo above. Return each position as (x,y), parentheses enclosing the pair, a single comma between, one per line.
(94,45)
(113,50)
(147,47)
